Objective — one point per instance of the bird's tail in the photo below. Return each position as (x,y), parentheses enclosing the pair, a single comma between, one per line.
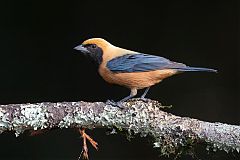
(195,69)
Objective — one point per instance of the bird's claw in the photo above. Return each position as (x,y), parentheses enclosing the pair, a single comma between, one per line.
(115,104)
(146,100)
(110,102)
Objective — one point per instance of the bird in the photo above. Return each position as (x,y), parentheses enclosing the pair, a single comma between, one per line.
(131,69)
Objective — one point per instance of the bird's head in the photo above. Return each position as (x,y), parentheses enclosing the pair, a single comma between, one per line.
(94,48)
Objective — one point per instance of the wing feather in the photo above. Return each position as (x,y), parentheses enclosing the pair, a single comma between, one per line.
(141,63)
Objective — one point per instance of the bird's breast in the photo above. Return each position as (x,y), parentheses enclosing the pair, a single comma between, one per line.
(136,80)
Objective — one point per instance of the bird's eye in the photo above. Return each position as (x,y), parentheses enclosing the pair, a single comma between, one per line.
(93,46)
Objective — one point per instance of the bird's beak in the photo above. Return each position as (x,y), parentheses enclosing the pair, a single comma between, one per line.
(82,49)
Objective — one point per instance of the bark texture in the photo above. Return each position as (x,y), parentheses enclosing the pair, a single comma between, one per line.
(170,133)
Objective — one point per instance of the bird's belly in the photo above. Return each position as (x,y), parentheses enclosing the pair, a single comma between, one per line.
(136,80)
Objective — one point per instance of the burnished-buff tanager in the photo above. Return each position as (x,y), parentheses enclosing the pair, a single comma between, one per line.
(131,69)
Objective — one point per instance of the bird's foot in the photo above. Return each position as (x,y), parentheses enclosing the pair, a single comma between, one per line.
(146,100)
(115,104)
(85,148)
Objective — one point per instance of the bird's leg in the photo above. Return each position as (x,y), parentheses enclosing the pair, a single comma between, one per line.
(132,94)
(119,103)
(85,148)
(144,94)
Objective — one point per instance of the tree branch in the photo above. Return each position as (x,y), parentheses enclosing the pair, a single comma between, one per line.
(170,132)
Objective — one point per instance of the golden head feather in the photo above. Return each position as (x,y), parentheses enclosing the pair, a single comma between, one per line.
(100,42)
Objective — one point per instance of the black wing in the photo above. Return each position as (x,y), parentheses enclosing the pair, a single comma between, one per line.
(141,63)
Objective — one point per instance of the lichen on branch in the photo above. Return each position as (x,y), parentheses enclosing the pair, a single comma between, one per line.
(170,132)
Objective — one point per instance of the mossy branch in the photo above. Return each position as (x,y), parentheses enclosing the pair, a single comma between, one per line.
(170,132)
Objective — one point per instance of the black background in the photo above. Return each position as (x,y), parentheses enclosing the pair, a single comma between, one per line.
(38,64)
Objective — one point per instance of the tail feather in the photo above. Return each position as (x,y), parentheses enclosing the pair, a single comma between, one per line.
(195,69)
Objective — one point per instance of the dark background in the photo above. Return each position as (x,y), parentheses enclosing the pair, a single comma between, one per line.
(38,64)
